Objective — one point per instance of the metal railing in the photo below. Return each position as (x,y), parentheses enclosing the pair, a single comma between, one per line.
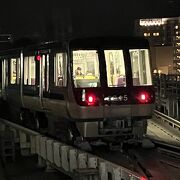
(171,121)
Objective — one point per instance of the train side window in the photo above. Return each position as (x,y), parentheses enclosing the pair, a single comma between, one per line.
(115,68)
(14,70)
(29,70)
(60,69)
(1,78)
(140,64)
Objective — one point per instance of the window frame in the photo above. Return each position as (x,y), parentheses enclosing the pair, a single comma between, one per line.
(147,66)
(72,69)
(31,90)
(124,63)
(65,71)
(29,67)
(18,70)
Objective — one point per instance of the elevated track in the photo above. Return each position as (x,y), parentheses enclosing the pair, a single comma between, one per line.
(130,163)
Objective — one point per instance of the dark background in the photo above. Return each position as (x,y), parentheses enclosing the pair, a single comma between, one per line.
(52,19)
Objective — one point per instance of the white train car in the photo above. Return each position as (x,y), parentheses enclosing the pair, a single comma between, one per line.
(89,87)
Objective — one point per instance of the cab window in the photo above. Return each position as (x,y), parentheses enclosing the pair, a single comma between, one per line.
(140,64)
(86,68)
(115,68)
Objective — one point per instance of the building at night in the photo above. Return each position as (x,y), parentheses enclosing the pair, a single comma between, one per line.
(162,33)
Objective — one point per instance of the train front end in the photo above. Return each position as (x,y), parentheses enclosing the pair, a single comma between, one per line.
(112,92)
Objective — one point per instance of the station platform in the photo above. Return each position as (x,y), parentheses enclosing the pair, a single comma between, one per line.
(25,168)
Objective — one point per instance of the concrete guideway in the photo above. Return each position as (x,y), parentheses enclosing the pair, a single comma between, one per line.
(2,174)
(65,158)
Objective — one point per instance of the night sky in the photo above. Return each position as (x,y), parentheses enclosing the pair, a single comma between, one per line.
(56,18)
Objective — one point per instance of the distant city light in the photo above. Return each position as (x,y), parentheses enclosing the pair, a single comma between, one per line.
(147,34)
(151,22)
(156,34)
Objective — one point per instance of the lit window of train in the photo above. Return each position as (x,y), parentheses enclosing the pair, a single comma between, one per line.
(45,72)
(29,70)
(60,70)
(15,70)
(115,68)
(86,68)
(140,67)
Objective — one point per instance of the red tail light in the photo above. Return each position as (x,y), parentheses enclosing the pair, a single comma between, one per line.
(144,97)
(143,178)
(38,57)
(91,99)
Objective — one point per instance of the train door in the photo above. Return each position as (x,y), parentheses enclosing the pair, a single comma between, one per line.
(44,80)
(1,79)
(2,87)
(4,77)
(31,83)
(54,82)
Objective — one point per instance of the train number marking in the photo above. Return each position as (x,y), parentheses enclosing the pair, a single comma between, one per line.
(115,98)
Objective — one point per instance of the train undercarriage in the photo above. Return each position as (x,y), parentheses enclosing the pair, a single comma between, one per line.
(111,132)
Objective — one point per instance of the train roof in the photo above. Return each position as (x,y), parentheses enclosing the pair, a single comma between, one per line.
(77,43)
(109,42)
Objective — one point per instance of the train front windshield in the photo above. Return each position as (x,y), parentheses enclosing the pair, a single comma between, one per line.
(140,65)
(86,68)
(86,64)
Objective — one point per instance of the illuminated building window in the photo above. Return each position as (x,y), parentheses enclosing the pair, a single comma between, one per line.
(178,57)
(147,34)
(177,32)
(177,44)
(176,27)
(178,50)
(151,22)
(177,37)
(156,34)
